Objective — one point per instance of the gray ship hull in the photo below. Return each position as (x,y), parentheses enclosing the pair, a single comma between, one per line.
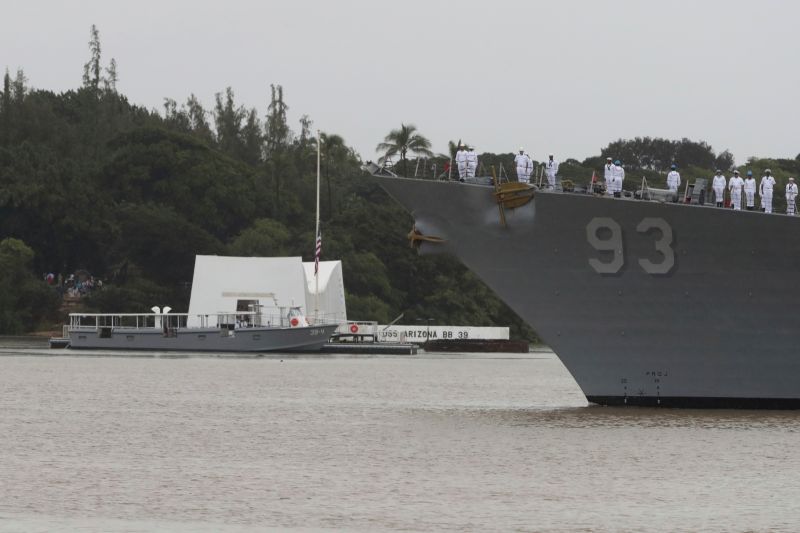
(256,339)
(645,303)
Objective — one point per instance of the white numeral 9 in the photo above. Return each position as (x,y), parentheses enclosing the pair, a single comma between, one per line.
(612,244)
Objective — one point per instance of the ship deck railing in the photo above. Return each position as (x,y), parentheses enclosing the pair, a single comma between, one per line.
(172,321)
(694,194)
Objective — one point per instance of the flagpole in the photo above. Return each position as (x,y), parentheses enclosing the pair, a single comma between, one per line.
(317,237)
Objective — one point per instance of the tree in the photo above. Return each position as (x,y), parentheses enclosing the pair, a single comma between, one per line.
(404,140)
(252,139)
(18,87)
(698,154)
(228,120)
(725,161)
(5,101)
(334,155)
(91,70)
(110,81)
(178,118)
(305,130)
(658,154)
(5,109)
(278,133)
(197,119)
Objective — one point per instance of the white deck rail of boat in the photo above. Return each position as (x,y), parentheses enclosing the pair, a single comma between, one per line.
(134,321)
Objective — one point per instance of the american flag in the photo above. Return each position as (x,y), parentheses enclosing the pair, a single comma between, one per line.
(317,253)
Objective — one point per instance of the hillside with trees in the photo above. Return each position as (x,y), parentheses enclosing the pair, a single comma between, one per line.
(92,183)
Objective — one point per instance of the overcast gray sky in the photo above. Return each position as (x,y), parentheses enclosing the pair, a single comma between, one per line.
(561,76)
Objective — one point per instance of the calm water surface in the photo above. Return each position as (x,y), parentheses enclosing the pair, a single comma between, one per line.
(455,442)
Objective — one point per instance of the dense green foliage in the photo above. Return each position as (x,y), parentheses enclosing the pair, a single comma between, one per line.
(25,299)
(90,181)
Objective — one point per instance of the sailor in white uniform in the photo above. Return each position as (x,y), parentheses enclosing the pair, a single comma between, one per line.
(735,185)
(791,196)
(551,169)
(673,179)
(718,184)
(767,185)
(461,161)
(472,162)
(618,175)
(608,171)
(524,166)
(750,190)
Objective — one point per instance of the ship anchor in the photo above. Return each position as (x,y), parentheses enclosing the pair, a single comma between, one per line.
(510,195)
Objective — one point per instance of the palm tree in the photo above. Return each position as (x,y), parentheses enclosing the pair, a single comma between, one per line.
(402,141)
(335,154)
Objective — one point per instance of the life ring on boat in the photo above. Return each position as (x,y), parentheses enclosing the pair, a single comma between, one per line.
(294,322)
(354,328)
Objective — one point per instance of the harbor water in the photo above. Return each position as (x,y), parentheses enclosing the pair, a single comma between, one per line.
(458,442)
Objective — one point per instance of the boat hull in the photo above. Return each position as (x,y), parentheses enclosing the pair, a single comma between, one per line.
(204,339)
(645,303)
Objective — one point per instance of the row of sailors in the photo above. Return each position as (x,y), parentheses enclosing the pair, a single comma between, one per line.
(466,161)
(525,168)
(613,173)
(736,185)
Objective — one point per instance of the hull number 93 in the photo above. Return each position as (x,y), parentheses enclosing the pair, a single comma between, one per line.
(613,244)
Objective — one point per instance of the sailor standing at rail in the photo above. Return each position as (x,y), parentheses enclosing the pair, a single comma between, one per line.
(735,185)
(791,195)
(461,161)
(673,179)
(524,166)
(767,184)
(719,188)
(618,175)
(608,170)
(472,162)
(551,169)
(750,190)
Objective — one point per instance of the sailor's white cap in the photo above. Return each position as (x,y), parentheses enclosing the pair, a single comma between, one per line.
(768,171)
(549,155)
(735,171)
(608,158)
(791,179)
(521,149)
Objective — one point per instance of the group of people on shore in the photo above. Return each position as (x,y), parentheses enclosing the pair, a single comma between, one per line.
(74,286)
(736,185)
